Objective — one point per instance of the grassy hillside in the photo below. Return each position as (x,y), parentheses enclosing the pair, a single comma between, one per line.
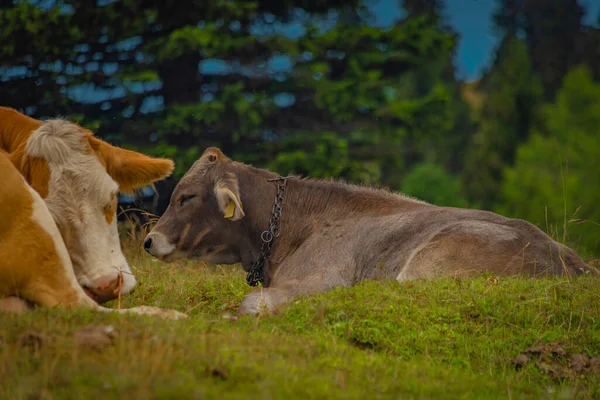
(485,338)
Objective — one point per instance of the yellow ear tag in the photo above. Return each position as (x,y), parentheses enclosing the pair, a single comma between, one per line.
(230,209)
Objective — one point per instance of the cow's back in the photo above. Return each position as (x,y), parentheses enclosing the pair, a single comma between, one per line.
(433,241)
(473,241)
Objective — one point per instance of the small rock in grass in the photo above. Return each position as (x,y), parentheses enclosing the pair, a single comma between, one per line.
(565,366)
(14,305)
(595,365)
(33,340)
(579,362)
(547,348)
(218,372)
(96,337)
(520,361)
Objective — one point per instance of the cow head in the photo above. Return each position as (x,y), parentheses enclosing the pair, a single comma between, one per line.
(79,177)
(205,218)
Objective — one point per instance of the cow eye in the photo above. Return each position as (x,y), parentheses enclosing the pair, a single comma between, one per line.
(185,199)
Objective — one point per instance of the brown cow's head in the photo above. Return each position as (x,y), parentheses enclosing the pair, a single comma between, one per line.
(79,176)
(204,219)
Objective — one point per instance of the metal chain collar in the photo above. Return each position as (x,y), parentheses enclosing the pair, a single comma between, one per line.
(256,274)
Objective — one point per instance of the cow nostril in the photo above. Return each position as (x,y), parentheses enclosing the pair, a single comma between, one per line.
(147,243)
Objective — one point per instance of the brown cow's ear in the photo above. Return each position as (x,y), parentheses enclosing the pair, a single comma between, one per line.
(213,154)
(228,198)
(130,169)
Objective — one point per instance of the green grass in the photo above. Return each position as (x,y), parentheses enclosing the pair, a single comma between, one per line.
(438,339)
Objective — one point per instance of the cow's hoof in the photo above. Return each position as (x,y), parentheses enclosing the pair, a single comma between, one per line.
(246,309)
(159,312)
(258,302)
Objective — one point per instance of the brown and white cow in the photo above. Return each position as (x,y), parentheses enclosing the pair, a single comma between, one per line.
(79,177)
(34,263)
(333,234)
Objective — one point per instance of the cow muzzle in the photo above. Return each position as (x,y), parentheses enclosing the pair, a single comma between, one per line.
(106,289)
(158,245)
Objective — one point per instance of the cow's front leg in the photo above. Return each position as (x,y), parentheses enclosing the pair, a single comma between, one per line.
(263,299)
(153,311)
(271,298)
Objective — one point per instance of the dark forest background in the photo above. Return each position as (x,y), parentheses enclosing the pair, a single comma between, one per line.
(333,97)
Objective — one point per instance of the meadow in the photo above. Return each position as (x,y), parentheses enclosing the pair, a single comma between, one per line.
(481,338)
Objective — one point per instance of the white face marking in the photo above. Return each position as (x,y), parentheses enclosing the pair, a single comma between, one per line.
(78,192)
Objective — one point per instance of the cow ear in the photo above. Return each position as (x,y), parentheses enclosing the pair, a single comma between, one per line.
(213,155)
(228,198)
(128,168)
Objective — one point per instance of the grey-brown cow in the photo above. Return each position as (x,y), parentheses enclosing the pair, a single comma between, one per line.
(334,234)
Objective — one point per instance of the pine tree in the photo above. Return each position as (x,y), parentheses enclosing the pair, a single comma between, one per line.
(513,93)
(552,29)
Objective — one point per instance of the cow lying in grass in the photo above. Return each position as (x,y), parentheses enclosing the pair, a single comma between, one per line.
(34,262)
(333,234)
(79,176)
